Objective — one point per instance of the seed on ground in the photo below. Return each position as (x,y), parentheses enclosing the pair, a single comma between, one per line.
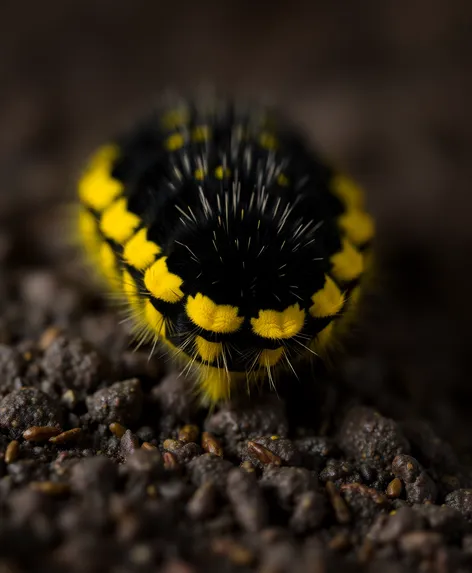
(67,436)
(40,433)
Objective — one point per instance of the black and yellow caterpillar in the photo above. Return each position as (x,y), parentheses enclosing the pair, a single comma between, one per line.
(234,244)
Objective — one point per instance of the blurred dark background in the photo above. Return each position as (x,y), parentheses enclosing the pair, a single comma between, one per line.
(384,88)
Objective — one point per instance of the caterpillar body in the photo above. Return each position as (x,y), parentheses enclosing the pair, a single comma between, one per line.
(235,246)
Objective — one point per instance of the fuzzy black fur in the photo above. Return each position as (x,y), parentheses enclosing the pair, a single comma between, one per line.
(246,240)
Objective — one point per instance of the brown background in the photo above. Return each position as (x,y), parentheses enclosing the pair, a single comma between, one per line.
(383,87)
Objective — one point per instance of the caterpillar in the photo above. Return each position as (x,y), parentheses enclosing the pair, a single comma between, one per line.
(234,245)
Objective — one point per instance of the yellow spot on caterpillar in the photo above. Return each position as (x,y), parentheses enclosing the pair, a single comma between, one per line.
(108,264)
(130,290)
(282,180)
(354,295)
(348,263)
(154,319)
(215,383)
(358,226)
(348,191)
(206,314)
(97,188)
(201,133)
(139,252)
(345,322)
(327,301)
(161,283)
(270,357)
(209,351)
(274,324)
(323,339)
(268,140)
(174,142)
(199,174)
(175,118)
(118,223)
(221,173)
(88,229)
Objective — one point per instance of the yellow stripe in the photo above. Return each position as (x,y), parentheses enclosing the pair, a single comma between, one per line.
(348,263)
(221,173)
(175,118)
(163,284)
(89,233)
(270,357)
(209,351)
(215,383)
(206,314)
(348,191)
(118,223)
(277,325)
(174,142)
(154,319)
(323,340)
(139,252)
(109,266)
(97,188)
(268,140)
(327,301)
(358,226)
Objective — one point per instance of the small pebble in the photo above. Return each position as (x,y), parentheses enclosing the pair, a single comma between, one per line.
(288,483)
(170,462)
(461,500)
(394,488)
(48,337)
(189,433)
(28,407)
(11,367)
(209,467)
(69,399)
(419,486)
(365,434)
(117,429)
(172,445)
(247,501)
(187,452)
(94,474)
(388,528)
(406,467)
(309,512)
(211,445)
(238,423)
(202,504)
(148,462)
(129,443)
(73,364)
(121,402)
(422,543)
